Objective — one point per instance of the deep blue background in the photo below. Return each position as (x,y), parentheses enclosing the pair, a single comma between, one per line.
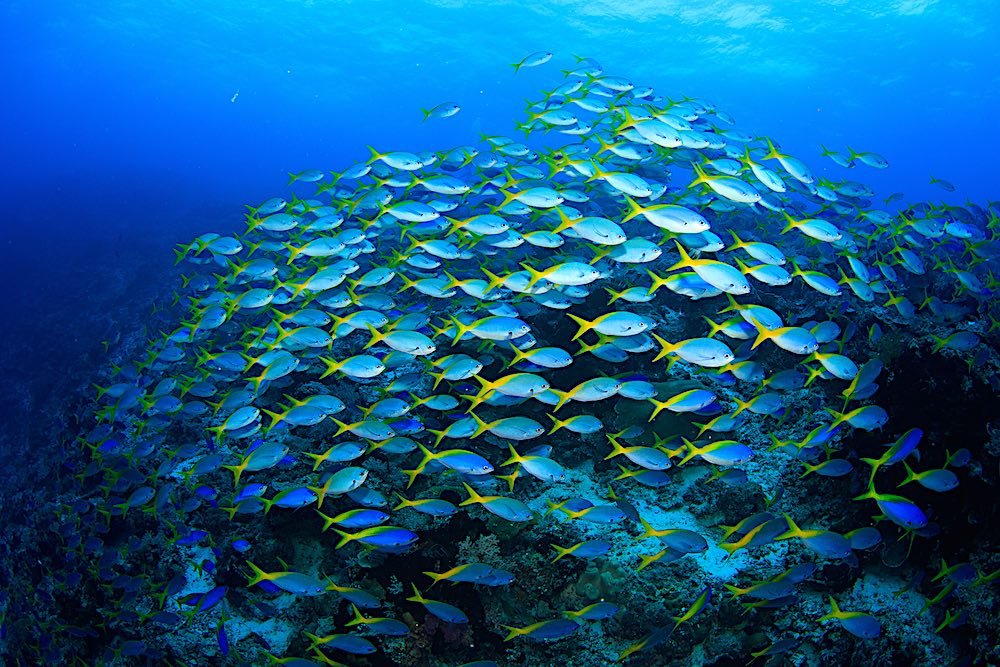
(120,138)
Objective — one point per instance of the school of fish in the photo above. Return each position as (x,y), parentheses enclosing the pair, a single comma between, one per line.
(536,335)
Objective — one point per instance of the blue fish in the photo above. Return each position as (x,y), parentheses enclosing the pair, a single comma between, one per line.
(550,630)
(223,639)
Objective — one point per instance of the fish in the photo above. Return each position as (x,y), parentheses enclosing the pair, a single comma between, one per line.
(468,572)
(796,340)
(355,518)
(897,509)
(509,509)
(349,643)
(378,625)
(828,468)
(720,452)
(718,274)
(540,467)
(938,479)
(597,611)
(443,110)
(857,623)
(295,583)
(260,456)
(431,506)
(436,293)
(779,647)
(549,630)
(446,612)
(586,511)
(695,608)
(649,458)
(586,549)
(705,352)
(620,323)
(824,542)
(378,537)
(533,60)
(357,366)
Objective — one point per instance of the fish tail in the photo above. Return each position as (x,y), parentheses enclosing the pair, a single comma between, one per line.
(628,121)
(666,347)
(660,406)
(692,452)
(792,223)
(437,378)
(701,176)
(633,209)
(556,423)
(535,275)
(560,551)
(834,608)
(258,575)
(763,334)
(518,356)
(773,153)
(685,260)
(514,456)
(553,507)
(181,252)
(275,417)
(910,475)
(407,283)
(358,618)
(713,327)
(793,530)
(730,548)
(375,155)
(473,498)
(461,330)
(435,577)
(377,336)
(838,417)
(511,478)
(870,493)
(481,426)
(584,325)
(413,474)
(344,538)
(438,331)
(508,197)
(647,527)
(585,347)
(495,281)
(293,252)
(417,597)
(403,502)
(564,221)
(599,253)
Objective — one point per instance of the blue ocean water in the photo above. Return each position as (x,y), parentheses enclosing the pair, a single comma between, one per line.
(132,127)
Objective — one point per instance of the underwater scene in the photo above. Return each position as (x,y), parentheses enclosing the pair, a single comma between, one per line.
(460,333)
